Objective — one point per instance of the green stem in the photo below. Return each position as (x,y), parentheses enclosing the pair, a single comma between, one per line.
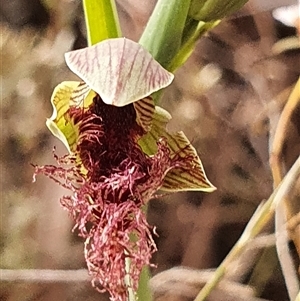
(144,293)
(187,48)
(101,20)
(131,293)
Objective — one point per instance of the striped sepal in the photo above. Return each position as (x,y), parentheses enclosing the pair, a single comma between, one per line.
(189,176)
(189,173)
(58,123)
(79,94)
(144,112)
(119,70)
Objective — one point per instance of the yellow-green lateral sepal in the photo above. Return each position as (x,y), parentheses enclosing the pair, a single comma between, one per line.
(190,175)
(59,123)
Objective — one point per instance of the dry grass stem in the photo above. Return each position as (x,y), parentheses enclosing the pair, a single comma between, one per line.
(284,256)
(259,219)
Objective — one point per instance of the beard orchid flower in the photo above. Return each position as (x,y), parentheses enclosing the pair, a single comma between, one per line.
(120,154)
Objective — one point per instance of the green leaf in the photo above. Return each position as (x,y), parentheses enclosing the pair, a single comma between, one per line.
(102,20)
(163,33)
(212,10)
(172,31)
(119,70)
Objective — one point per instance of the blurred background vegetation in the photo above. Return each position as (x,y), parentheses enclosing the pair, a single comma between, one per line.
(227,98)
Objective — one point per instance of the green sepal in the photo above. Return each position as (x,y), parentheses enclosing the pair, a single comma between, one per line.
(59,124)
(64,95)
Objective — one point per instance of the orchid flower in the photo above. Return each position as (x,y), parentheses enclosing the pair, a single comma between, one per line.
(120,154)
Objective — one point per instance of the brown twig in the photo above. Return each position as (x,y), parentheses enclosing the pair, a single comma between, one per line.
(36,275)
